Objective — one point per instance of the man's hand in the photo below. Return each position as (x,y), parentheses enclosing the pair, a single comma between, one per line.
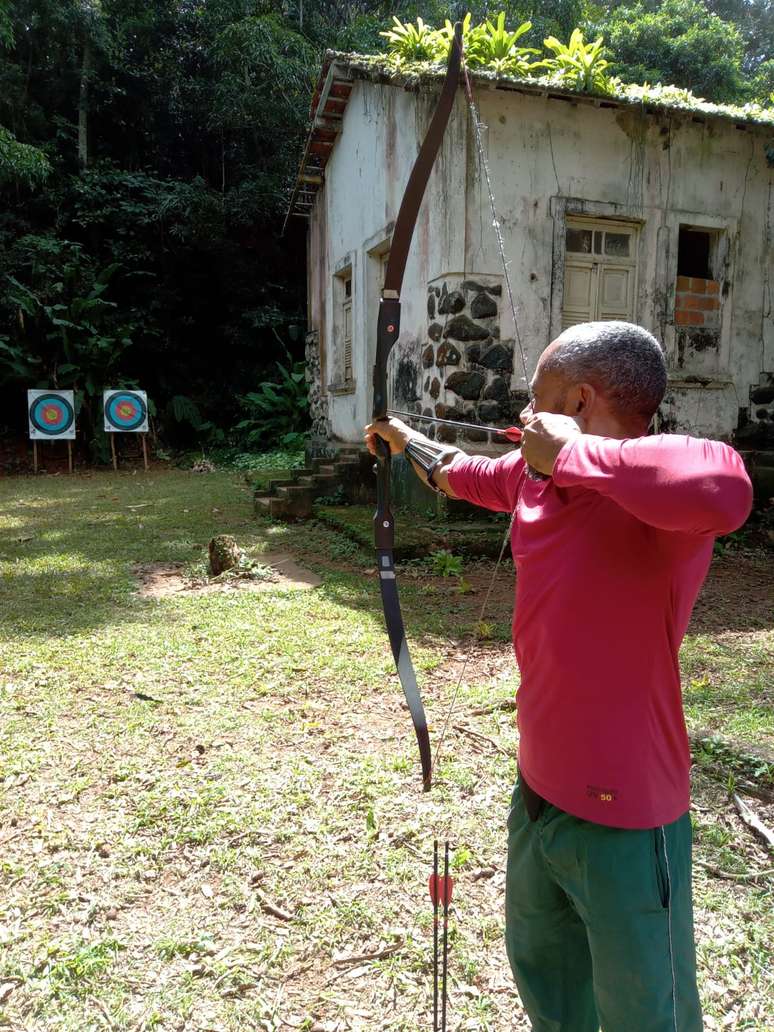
(545,434)
(395,432)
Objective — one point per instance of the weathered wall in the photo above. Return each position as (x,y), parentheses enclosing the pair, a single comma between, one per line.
(549,159)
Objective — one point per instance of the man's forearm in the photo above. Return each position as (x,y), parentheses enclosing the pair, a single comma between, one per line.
(431,460)
(670,481)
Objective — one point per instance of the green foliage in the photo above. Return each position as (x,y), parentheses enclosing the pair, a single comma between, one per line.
(78,965)
(277,411)
(20,161)
(488,45)
(496,47)
(579,65)
(265,73)
(16,363)
(6,28)
(762,83)
(445,564)
(410,42)
(681,43)
(194,116)
(184,410)
(283,459)
(64,324)
(491,45)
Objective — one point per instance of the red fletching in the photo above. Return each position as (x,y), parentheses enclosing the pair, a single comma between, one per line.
(513,433)
(441,889)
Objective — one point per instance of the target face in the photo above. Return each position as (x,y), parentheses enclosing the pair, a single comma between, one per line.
(126,412)
(51,414)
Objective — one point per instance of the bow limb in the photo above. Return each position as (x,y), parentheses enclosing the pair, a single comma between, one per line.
(388,330)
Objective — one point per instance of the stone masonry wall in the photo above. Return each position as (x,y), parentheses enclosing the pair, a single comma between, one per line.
(318,400)
(466,367)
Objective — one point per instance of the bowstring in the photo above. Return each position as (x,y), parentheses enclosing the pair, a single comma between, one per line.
(478,126)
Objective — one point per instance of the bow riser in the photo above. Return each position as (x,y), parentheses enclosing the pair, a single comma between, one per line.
(388,330)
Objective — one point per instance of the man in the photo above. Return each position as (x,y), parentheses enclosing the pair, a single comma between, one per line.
(611,546)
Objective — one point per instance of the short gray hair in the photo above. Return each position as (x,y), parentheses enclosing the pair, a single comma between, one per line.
(622,361)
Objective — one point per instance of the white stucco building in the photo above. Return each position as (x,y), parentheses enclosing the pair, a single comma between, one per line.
(653,214)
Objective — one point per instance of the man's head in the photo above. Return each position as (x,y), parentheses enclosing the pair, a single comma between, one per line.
(610,376)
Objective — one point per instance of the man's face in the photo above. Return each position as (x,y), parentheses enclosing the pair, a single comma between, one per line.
(549,391)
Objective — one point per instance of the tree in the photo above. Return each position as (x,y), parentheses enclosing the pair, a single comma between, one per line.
(679,42)
(755,21)
(18,161)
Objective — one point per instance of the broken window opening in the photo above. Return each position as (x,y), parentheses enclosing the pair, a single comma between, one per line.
(694,253)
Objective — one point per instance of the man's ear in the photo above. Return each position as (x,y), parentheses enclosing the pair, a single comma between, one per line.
(585,396)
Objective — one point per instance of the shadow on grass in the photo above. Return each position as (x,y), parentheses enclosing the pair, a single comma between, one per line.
(67,546)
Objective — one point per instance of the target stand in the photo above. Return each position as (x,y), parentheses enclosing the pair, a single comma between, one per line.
(126,412)
(51,417)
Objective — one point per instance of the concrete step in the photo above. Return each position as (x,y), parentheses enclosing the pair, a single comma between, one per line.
(291,490)
(280,510)
(291,496)
(275,508)
(320,481)
(273,485)
(292,502)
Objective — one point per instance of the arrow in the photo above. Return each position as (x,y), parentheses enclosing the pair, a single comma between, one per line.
(513,433)
(441,890)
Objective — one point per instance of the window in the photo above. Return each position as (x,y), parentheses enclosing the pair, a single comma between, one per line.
(598,241)
(600,270)
(347,328)
(344,329)
(697,291)
(695,252)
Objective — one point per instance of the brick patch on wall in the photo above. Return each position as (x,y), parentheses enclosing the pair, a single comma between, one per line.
(697,302)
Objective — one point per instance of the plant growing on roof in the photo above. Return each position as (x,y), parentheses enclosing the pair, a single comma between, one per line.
(471,40)
(578,64)
(495,47)
(409,42)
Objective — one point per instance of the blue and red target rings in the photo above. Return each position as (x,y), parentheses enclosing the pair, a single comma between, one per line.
(51,414)
(126,410)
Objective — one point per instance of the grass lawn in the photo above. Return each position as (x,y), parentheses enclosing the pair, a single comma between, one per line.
(211,814)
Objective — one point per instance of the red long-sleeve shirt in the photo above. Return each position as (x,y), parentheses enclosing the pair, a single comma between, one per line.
(610,553)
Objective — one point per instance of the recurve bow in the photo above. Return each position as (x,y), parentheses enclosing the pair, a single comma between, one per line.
(388,330)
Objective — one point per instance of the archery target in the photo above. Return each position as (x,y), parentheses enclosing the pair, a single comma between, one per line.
(51,415)
(126,412)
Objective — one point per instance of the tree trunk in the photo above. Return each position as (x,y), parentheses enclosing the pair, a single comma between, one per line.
(83,106)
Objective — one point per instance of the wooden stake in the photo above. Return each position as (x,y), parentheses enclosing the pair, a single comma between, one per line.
(145,450)
(35,455)
(70,454)
(113,451)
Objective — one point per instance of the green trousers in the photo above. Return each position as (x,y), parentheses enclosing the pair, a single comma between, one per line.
(599,924)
